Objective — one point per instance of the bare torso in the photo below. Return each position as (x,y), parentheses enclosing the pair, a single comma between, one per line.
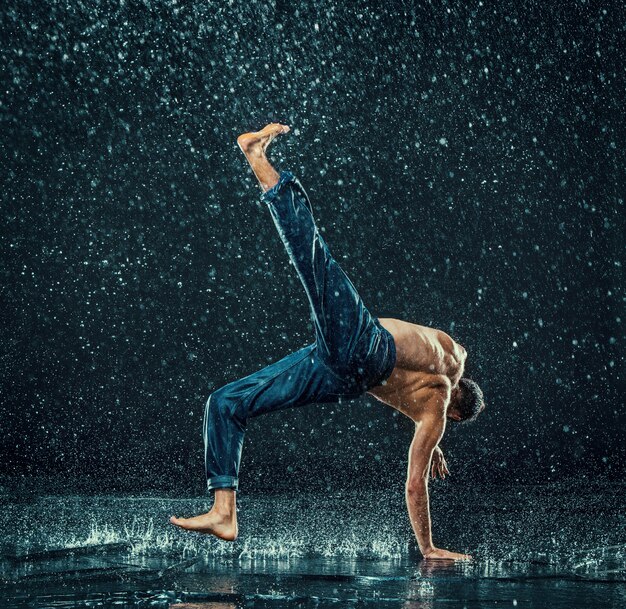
(428,363)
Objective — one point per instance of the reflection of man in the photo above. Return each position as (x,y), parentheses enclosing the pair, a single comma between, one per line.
(415,369)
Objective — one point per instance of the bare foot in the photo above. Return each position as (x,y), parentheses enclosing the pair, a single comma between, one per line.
(255,143)
(220,524)
(438,554)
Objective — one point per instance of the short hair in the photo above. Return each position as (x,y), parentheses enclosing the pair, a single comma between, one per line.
(469,403)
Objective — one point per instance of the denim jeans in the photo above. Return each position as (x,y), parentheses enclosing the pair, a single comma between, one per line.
(352,351)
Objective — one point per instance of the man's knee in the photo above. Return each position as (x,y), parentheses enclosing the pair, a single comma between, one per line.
(218,405)
(222,404)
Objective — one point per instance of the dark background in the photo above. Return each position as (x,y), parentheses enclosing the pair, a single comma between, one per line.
(465,162)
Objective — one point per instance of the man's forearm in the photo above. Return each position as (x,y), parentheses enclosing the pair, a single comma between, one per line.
(419,512)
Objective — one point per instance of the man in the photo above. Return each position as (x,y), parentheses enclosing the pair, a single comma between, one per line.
(412,368)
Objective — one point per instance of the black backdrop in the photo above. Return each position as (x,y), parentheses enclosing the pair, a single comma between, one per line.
(465,162)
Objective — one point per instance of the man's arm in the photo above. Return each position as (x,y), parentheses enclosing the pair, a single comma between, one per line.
(428,433)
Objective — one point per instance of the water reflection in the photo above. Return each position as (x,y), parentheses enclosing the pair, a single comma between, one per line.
(203,606)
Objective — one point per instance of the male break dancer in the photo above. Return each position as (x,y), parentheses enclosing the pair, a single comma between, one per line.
(414,369)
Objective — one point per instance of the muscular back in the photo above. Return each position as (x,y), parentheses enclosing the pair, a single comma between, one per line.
(429,363)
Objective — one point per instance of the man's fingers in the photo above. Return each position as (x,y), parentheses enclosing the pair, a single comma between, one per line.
(445,466)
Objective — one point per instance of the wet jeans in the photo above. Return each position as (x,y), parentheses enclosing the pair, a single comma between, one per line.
(352,352)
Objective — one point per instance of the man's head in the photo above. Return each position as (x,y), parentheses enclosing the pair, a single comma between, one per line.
(466,401)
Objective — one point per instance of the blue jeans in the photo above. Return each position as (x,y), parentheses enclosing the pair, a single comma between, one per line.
(352,351)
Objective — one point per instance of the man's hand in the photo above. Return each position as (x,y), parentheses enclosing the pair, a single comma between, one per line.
(438,464)
(437,554)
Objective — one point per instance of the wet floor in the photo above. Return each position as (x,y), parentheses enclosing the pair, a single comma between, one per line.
(558,545)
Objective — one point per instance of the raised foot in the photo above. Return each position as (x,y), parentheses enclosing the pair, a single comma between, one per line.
(258,141)
(215,523)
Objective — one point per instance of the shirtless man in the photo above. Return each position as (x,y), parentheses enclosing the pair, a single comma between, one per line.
(414,369)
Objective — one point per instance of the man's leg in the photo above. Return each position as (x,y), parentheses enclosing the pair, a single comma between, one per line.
(298,379)
(346,332)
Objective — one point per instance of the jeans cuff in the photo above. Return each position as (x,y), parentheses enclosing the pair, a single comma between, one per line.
(222,482)
(285,178)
